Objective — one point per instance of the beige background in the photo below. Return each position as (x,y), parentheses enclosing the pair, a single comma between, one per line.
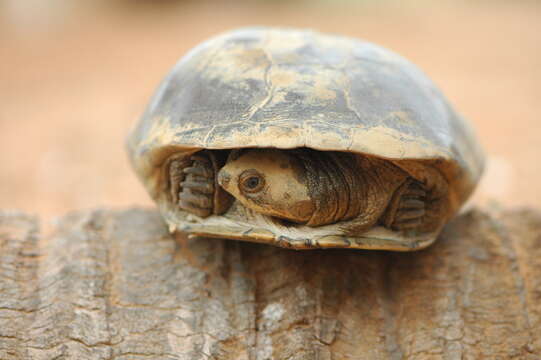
(74,78)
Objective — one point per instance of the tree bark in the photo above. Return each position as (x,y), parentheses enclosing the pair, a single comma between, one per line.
(115,285)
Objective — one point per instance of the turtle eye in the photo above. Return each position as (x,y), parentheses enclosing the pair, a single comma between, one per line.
(251,181)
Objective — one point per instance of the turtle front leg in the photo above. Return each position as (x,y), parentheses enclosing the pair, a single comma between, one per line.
(197,189)
(407,208)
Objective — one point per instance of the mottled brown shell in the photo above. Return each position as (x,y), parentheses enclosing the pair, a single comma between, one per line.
(286,88)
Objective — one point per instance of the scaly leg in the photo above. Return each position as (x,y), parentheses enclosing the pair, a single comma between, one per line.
(197,190)
(407,208)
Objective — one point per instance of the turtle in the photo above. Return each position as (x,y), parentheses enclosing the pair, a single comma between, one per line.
(304,140)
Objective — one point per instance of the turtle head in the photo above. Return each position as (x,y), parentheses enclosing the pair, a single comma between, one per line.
(269,181)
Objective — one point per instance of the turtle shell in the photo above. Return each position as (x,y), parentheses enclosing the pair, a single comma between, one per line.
(287,88)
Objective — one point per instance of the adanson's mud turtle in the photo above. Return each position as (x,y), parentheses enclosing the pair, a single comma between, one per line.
(304,140)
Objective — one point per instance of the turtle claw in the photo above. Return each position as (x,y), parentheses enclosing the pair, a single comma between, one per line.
(199,200)
(194,209)
(198,171)
(202,187)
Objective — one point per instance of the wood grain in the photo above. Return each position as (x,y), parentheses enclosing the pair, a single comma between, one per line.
(115,285)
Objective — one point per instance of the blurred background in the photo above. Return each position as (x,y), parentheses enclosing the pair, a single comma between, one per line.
(76,75)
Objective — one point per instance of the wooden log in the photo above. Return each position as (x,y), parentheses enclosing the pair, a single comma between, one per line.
(115,285)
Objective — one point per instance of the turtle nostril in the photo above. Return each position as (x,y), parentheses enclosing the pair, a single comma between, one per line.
(224,178)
